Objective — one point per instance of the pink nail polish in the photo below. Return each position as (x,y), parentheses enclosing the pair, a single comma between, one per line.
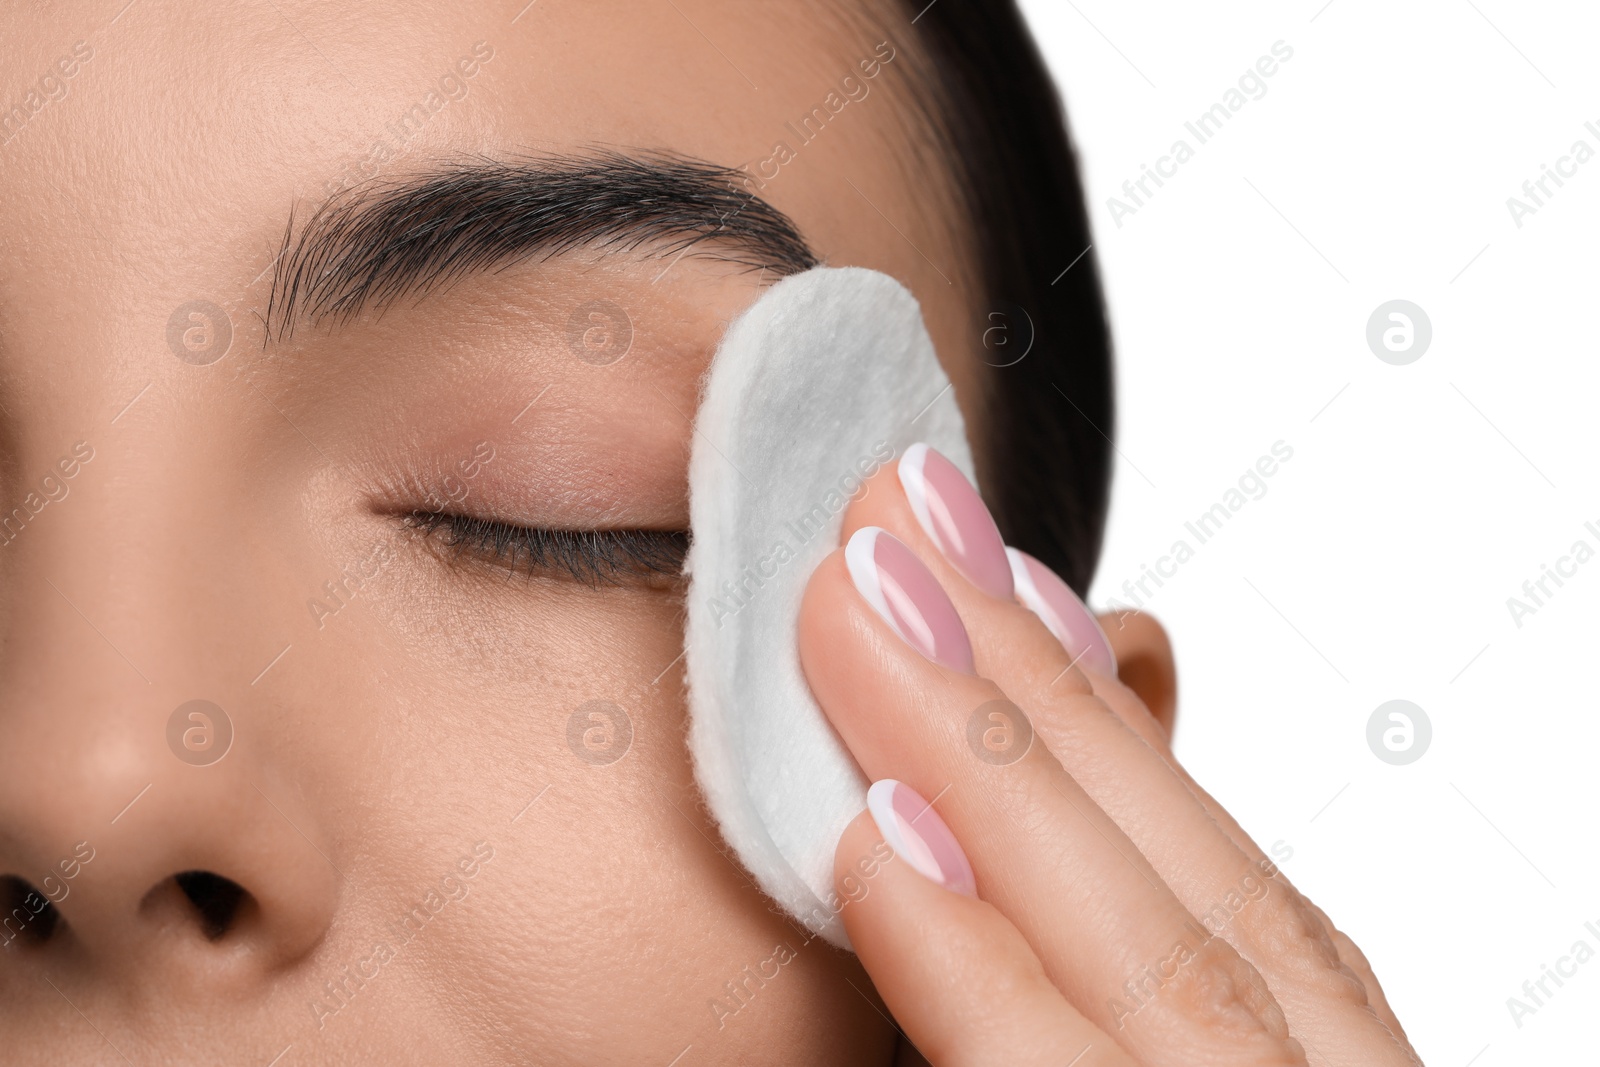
(917,834)
(1053,600)
(908,597)
(952,513)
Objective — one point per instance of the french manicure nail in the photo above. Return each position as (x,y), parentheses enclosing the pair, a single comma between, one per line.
(952,513)
(1047,596)
(908,597)
(917,834)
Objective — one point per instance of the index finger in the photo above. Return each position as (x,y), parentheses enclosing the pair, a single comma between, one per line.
(1110,934)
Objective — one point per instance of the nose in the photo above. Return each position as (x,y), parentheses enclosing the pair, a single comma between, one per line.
(145,834)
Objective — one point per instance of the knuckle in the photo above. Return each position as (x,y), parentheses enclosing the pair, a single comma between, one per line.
(1074,723)
(1226,997)
(1349,952)
(1226,1014)
(1285,932)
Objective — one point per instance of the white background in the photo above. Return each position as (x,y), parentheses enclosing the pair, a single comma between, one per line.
(1419,498)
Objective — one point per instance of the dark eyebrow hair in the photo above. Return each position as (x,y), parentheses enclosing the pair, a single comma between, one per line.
(370,245)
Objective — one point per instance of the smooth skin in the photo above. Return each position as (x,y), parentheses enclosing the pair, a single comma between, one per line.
(422,718)
(423,725)
(1095,854)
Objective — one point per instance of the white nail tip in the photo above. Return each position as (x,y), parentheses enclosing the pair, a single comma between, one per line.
(1028,593)
(859,553)
(915,484)
(904,839)
(1029,596)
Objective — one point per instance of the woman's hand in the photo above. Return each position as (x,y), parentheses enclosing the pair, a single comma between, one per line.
(1111,911)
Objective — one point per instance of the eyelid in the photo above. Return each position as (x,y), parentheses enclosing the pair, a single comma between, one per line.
(593,557)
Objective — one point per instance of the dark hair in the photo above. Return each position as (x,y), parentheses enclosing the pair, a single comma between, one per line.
(1046,470)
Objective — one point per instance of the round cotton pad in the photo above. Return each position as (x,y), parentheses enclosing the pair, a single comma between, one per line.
(823,381)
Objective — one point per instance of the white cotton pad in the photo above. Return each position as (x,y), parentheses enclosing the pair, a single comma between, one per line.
(823,381)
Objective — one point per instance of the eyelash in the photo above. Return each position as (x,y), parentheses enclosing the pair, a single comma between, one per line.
(594,557)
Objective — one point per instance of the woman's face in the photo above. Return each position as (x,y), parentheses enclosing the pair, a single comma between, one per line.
(456,799)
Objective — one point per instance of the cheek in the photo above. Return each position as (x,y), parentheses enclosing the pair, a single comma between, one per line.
(615,883)
(549,722)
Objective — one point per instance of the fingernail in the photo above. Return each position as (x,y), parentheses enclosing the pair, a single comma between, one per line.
(951,512)
(1053,600)
(917,834)
(908,597)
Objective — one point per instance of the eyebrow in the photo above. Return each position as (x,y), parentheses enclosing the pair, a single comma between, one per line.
(374,244)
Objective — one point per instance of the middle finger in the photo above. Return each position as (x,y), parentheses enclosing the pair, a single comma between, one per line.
(1111,935)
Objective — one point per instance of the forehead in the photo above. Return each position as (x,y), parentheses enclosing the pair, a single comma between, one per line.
(194,128)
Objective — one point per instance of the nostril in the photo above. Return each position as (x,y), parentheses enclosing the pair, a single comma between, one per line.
(218,900)
(28,915)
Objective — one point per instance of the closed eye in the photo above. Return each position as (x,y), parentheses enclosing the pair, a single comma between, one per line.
(593,557)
